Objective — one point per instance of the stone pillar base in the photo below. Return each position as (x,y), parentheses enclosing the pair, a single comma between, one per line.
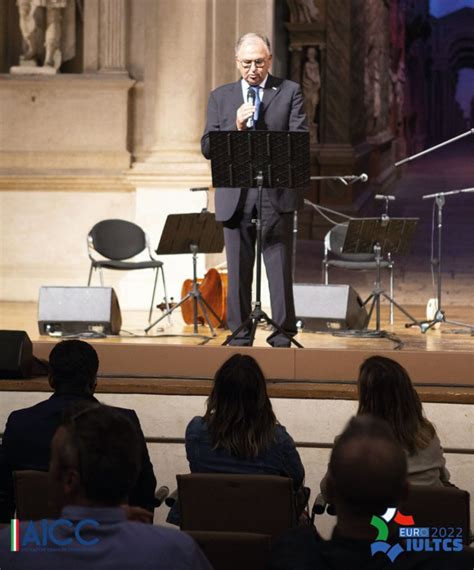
(64,122)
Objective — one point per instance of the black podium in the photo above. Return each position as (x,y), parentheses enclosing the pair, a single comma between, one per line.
(259,159)
(380,236)
(192,233)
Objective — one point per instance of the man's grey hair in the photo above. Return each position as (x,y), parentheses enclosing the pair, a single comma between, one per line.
(252,37)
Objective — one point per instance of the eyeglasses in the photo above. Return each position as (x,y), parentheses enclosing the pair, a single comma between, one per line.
(247,63)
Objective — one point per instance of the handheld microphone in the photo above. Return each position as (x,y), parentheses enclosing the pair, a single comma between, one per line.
(161,495)
(384,197)
(320,505)
(250,99)
(353,179)
(171,498)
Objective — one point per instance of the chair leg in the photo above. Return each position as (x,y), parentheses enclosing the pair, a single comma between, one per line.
(150,314)
(166,294)
(90,275)
(326,274)
(101,277)
(392,320)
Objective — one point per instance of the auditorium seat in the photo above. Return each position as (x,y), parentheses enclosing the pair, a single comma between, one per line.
(32,496)
(438,507)
(234,550)
(262,504)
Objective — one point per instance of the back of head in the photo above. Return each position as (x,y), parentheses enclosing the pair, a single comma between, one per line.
(386,391)
(239,413)
(103,446)
(367,469)
(73,367)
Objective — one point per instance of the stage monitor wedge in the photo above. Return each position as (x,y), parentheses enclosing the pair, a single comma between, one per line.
(75,310)
(328,307)
(16,355)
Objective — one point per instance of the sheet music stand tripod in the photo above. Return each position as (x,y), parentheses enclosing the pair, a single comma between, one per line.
(379,236)
(261,159)
(195,233)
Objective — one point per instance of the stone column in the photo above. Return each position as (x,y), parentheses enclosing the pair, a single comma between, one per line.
(174,91)
(112,36)
(189,50)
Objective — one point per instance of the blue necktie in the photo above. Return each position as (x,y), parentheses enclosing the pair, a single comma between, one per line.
(256,90)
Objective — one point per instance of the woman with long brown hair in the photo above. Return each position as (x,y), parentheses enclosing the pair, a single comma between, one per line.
(386,391)
(239,432)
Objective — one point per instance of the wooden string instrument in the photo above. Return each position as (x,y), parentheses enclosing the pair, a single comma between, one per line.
(213,287)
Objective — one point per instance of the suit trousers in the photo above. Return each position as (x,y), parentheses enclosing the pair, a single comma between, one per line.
(240,236)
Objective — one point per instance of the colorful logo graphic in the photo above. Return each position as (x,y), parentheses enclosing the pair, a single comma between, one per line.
(380,523)
(415,539)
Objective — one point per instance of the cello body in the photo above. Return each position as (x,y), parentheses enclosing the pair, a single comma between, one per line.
(213,288)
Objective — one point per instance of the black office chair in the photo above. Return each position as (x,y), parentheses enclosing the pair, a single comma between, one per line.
(117,241)
(333,257)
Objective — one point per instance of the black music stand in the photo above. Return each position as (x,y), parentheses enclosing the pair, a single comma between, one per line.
(259,159)
(380,236)
(195,233)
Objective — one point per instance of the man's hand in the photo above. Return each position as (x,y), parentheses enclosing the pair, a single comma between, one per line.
(244,112)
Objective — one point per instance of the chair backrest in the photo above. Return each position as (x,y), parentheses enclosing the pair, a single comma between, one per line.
(234,550)
(334,242)
(118,239)
(438,507)
(261,504)
(32,497)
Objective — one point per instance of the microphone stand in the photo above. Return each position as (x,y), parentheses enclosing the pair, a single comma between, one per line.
(449,141)
(440,315)
(347,180)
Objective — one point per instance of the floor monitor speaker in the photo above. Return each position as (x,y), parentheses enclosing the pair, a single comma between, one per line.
(328,307)
(74,310)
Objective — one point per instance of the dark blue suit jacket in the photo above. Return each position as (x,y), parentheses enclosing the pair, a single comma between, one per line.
(281,110)
(26,445)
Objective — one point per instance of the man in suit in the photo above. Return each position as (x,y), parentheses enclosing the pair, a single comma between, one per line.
(278,107)
(28,433)
(95,457)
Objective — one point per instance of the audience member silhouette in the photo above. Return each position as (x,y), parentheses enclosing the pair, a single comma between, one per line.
(95,458)
(366,476)
(28,432)
(386,392)
(239,432)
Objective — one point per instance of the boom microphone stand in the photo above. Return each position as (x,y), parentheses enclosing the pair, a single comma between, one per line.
(440,199)
(440,316)
(449,141)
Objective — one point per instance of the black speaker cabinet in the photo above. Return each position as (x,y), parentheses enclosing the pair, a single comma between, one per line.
(328,307)
(16,354)
(74,310)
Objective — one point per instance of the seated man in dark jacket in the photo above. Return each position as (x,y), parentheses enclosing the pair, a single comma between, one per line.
(28,433)
(366,478)
(95,454)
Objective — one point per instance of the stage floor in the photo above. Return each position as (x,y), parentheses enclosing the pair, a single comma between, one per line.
(440,362)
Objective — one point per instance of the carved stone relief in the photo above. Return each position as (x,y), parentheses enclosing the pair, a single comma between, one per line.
(303,11)
(48,32)
(311,85)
